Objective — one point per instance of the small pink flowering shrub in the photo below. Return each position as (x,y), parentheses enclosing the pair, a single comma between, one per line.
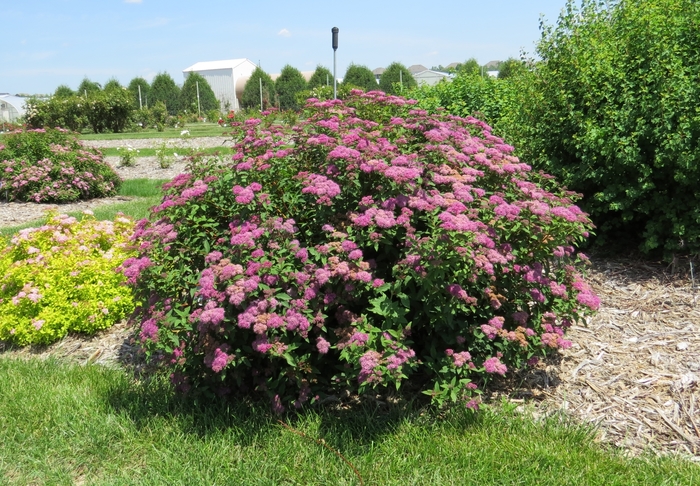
(52,166)
(60,278)
(367,245)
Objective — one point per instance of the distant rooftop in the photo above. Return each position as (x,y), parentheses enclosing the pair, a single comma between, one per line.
(417,68)
(212,65)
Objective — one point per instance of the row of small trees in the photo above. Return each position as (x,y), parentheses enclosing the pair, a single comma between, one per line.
(162,89)
(290,88)
(112,107)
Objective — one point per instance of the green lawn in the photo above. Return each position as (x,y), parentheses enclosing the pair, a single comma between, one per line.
(68,424)
(146,194)
(151,152)
(195,129)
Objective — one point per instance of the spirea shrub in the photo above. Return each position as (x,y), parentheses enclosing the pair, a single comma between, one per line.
(60,278)
(53,166)
(368,245)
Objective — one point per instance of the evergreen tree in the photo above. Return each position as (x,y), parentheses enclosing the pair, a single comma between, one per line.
(510,67)
(360,77)
(63,91)
(395,73)
(470,66)
(321,77)
(288,85)
(251,93)
(112,84)
(188,95)
(87,87)
(134,85)
(163,88)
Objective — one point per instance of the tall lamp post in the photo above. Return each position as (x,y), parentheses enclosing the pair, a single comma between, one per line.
(335,30)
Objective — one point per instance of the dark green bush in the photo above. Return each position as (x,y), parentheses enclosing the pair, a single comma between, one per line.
(134,86)
(396,74)
(360,77)
(322,76)
(188,95)
(250,98)
(164,89)
(288,85)
(613,113)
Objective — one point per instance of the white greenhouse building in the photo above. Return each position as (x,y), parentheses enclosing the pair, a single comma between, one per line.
(11,107)
(226,79)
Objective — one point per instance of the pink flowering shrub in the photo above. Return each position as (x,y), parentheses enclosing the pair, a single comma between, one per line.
(52,166)
(369,244)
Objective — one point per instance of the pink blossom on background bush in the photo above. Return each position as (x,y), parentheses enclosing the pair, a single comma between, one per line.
(53,166)
(368,244)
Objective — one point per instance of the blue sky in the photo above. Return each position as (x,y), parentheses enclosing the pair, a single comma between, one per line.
(53,42)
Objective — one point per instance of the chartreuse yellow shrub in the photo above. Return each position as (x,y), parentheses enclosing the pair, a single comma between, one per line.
(61,278)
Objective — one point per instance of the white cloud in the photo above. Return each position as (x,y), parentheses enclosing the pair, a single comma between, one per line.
(133,1)
(284,33)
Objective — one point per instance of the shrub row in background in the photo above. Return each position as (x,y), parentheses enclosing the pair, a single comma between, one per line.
(369,244)
(101,111)
(60,278)
(52,166)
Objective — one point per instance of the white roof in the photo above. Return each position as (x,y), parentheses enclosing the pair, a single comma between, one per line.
(212,65)
(16,101)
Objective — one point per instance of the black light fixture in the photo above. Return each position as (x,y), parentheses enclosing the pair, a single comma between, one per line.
(335,31)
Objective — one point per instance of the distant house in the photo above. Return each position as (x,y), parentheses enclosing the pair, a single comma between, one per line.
(226,79)
(11,107)
(430,77)
(378,73)
(417,68)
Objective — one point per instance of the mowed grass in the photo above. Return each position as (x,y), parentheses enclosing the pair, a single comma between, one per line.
(151,152)
(195,129)
(146,194)
(71,424)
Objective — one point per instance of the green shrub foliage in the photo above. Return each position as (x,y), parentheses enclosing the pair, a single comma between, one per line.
(188,95)
(322,76)
(396,73)
(60,278)
(63,91)
(511,67)
(53,166)
(113,83)
(88,87)
(58,111)
(164,89)
(361,77)
(495,101)
(612,113)
(109,110)
(367,245)
(288,85)
(133,88)
(469,67)
(250,99)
